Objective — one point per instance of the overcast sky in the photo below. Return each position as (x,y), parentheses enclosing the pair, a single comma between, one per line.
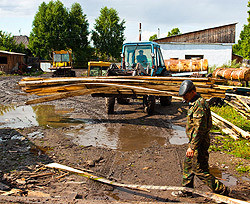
(187,15)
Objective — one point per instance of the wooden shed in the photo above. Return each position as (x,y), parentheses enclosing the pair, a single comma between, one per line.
(9,60)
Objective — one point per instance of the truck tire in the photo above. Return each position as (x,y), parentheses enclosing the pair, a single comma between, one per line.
(110,105)
(165,100)
(149,104)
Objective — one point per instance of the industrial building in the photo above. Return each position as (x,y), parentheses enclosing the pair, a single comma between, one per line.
(214,44)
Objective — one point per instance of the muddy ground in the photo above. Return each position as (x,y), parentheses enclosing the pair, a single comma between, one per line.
(127,147)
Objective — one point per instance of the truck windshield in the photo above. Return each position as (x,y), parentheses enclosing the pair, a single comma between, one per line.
(134,54)
(98,70)
(61,57)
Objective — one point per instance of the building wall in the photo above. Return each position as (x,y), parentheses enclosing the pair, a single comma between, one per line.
(216,54)
(12,60)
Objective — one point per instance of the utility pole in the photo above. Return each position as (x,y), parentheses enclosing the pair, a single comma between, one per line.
(139,31)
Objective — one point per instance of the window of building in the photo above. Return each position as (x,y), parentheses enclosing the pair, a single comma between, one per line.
(3,60)
(194,56)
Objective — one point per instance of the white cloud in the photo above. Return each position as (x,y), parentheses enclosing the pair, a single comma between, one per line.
(164,14)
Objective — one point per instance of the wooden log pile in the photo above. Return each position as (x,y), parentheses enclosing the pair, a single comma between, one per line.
(241,74)
(185,65)
(58,88)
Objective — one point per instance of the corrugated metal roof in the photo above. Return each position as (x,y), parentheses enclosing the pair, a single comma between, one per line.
(11,53)
(192,33)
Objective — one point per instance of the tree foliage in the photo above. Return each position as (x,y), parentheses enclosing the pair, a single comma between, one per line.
(57,28)
(108,34)
(77,38)
(153,37)
(8,43)
(174,31)
(243,48)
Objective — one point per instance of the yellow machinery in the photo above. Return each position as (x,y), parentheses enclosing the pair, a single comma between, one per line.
(98,68)
(62,63)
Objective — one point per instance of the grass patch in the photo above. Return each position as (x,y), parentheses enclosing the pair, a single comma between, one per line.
(239,148)
(230,114)
(241,168)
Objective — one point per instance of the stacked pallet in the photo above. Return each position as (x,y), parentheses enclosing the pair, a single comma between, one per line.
(58,88)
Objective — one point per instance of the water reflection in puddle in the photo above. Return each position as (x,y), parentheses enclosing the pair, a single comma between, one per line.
(179,136)
(28,116)
(225,178)
(124,137)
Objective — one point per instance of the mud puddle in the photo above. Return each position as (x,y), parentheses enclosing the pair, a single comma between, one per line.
(225,178)
(89,132)
(179,136)
(126,137)
(28,116)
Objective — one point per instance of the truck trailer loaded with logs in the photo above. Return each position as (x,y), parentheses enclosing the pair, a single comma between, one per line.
(142,75)
(138,59)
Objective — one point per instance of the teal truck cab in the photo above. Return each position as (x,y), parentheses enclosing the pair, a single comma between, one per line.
(138,59)
(143,58)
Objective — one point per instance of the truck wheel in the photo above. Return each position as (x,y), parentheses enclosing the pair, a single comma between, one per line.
(110,104)
(149,104)
(165,100)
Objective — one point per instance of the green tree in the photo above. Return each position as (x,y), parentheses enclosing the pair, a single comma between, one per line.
(77,38)
(108,34)
(174,31)
(57,28)
(153,37)
(8,43)
(243,48)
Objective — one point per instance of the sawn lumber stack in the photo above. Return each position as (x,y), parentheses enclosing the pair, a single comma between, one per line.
(58,88)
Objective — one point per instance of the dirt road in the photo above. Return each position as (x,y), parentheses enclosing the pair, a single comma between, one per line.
(127,147)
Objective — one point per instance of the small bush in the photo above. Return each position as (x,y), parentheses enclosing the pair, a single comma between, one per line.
(231,64)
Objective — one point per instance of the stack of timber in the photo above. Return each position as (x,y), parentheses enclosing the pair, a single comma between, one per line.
(185,65)
(240,74)
(229,128)
(240,103)
(58,88)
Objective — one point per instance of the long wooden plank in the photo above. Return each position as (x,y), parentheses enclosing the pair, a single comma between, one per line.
(64,95)
(242,111)
(98,90)
(243,133)
(225,129)
(244,103)
(214,196)
(68,80)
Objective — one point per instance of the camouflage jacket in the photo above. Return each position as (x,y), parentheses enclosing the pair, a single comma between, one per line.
(199,123)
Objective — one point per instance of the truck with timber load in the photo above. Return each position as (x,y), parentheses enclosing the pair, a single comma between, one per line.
(62,64)
(138,59)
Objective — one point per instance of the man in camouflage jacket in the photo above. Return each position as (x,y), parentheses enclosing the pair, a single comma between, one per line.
(199,123)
